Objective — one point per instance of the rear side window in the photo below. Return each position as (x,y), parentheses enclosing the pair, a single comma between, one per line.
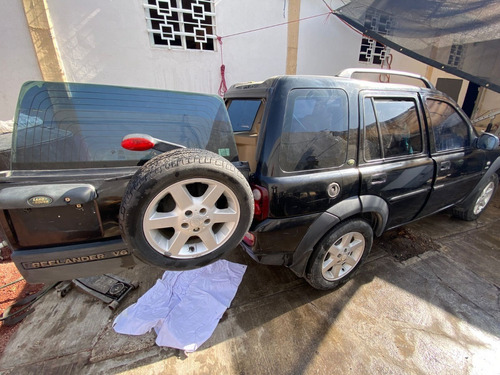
(449,128)
(73,125)
(315,130)
(392,128)
(242,113)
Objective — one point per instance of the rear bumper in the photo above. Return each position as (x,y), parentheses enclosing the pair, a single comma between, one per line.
(277,239)
(64,262)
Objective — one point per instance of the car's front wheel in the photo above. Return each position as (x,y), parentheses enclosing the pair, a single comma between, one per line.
(185,208)
(339,254)
(478,204)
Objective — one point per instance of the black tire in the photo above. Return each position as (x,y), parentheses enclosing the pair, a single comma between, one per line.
(339,254)
(204,203)
(476,206)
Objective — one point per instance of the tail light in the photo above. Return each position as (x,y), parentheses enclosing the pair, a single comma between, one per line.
(261,202)
(138,142)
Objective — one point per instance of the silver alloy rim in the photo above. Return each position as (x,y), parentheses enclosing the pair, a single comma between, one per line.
(343,255)
(182,225)
(484,198)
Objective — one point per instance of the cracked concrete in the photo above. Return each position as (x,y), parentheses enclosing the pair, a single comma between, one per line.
(437,312)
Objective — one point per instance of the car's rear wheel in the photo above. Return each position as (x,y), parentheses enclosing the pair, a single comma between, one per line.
(339,254)
(473,209)
(185,208)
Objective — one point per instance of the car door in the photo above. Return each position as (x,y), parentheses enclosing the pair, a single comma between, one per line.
(394,160)
(459,165)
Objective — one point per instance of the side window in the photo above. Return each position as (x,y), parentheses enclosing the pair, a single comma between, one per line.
(448,127)
(242,113)
(392,128)
(315,130)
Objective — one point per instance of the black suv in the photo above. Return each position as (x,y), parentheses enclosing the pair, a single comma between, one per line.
(331,162)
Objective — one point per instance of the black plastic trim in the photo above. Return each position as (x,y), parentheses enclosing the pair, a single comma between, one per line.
(68,262)
(50,195)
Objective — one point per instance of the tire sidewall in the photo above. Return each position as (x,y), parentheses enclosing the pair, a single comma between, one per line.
(314,270)
(163,171)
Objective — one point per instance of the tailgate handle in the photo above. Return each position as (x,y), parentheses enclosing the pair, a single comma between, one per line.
(52,195)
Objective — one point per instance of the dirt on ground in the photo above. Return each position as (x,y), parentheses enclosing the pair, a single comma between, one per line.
(403,244)
(11,293)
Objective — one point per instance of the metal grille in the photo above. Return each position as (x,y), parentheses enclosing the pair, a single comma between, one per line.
(371,51)
(182,24)
(457,51)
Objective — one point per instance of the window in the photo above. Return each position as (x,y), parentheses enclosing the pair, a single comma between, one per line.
(448,127)
(372,51)
(457,52)
(73,125)
(182,24)
(242,114)
(315,130)
(392,128)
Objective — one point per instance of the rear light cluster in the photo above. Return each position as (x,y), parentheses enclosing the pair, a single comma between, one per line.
(261,202)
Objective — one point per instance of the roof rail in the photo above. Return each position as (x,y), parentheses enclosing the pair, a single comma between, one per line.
(348,73)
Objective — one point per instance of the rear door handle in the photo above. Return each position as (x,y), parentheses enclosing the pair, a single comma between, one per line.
(378,178)
(445,165)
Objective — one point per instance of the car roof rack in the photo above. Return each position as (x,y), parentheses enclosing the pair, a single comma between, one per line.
(348,73)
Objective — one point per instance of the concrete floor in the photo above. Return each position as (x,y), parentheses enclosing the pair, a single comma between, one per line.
(436,313)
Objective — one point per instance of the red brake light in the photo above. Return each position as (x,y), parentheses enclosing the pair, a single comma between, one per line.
(137,144)
(261,202)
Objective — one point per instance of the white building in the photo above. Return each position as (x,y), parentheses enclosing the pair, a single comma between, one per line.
(159,44)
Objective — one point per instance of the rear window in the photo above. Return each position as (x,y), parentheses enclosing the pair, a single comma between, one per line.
(72,125)
(315,130)
(242,113)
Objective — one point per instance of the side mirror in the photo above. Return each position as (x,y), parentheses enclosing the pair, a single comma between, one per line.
(487,141)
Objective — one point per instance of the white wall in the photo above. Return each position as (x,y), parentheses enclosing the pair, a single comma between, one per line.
(106,41)
(18,61)
(326,44)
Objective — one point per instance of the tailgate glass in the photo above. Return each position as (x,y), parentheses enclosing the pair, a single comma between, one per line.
(74,125)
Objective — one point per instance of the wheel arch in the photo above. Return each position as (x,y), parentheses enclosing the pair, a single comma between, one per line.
(494,168)
(371,208)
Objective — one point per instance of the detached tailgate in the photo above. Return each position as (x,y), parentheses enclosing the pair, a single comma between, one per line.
(59,201)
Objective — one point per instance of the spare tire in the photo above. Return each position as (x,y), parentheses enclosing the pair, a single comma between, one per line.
(185,208)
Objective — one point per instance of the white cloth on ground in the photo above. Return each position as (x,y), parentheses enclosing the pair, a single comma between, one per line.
(184,307)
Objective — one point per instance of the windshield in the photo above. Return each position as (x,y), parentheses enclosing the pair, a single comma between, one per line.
(74,125)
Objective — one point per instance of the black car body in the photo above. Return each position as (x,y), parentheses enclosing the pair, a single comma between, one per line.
(333,161)
(386,154)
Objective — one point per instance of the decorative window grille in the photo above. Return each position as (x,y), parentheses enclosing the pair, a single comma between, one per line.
(372,51)
(457,53)
(182,24)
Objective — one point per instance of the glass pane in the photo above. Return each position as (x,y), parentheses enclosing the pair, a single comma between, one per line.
(315,130)
(449,128)
(242,113)
(372,138)
(399,125)
(81,126)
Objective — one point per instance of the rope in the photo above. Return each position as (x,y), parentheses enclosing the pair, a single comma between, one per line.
(386,78)
(223,85)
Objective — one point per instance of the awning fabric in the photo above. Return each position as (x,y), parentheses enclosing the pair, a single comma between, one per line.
(461,37)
